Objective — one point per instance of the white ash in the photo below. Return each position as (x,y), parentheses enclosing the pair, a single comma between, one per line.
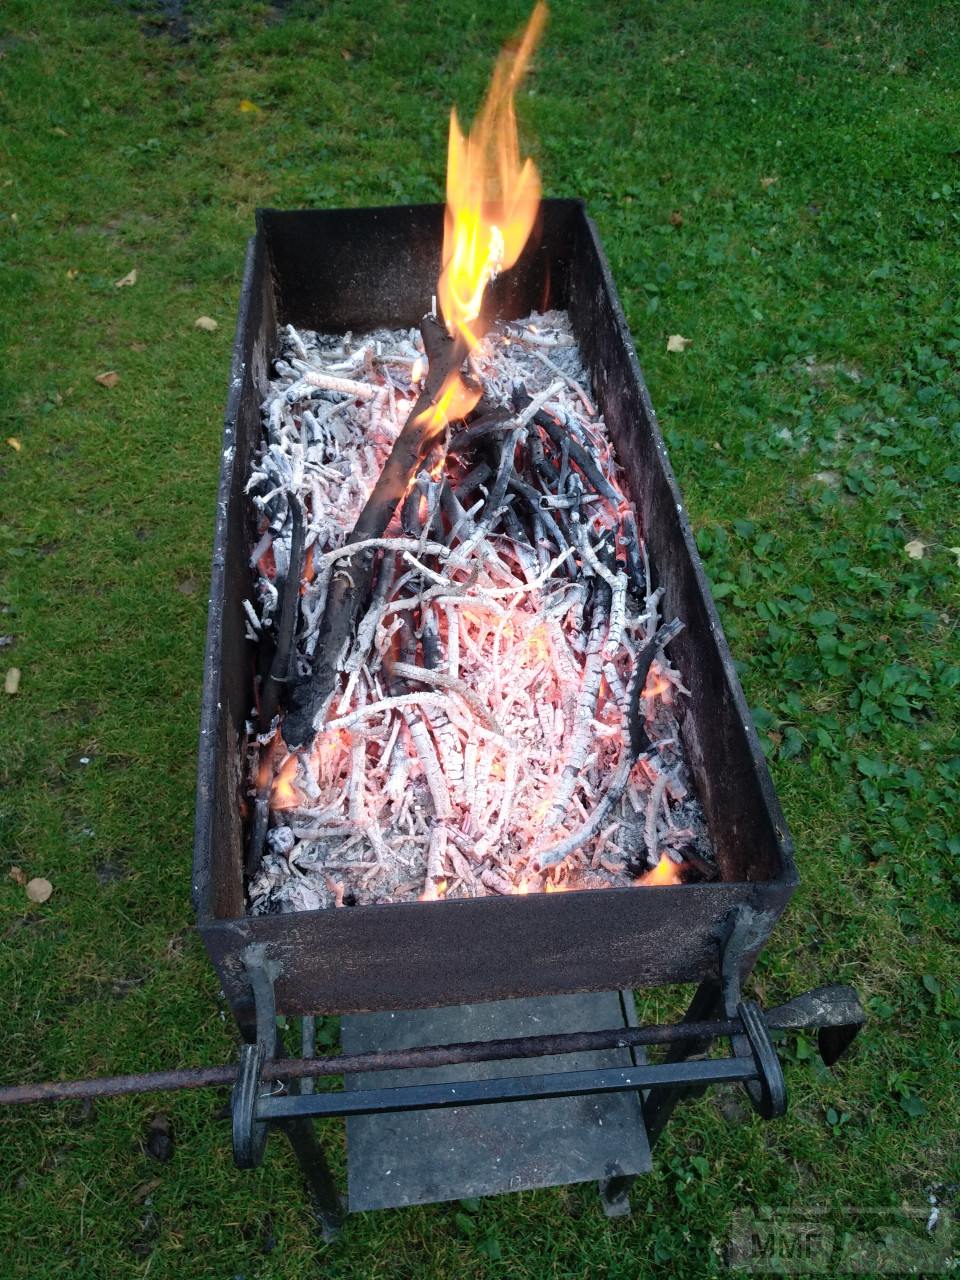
(457,780)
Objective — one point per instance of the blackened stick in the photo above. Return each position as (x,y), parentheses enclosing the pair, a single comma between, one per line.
(280,671)
(641,669)
(351,583)
(562,438)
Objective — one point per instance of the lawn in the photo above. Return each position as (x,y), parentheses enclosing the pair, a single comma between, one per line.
(780,183)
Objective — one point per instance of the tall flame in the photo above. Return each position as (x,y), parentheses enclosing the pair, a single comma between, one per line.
(492,197)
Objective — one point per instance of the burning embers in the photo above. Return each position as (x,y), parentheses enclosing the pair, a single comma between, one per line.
(503,715)
(456,606)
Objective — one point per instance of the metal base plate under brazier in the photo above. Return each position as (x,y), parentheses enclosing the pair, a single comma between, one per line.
(420,1157)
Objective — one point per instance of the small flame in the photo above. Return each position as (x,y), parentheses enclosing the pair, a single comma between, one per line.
(309,569)
(285,795)
(434,890)
(538,644)
(523,886)
(665,872)
(657,684)
(541,811)
(416,373)
(492,198)
(455,401)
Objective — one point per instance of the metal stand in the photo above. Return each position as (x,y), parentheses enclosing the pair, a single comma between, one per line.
(445,1131)
(250,1138)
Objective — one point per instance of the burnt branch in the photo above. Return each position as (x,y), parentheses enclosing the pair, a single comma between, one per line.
(350,584)
(281,667)
(638,735)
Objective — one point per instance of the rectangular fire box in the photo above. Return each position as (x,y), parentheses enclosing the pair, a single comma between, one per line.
(359,269)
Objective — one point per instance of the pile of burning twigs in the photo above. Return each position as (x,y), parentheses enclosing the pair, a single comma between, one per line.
(500,718)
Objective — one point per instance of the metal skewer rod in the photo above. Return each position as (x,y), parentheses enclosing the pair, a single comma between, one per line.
(833,1010)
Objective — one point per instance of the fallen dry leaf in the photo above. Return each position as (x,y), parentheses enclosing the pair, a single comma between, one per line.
(14,443)
(72,273)
(955,552)
(39,889)
(915,549)
(145,1189)
(768,182)
(11,681)
(206,323)
(677,342)
(59,131)
(676,218)
(125,281)
(108,379)
(18,876)
(250,107)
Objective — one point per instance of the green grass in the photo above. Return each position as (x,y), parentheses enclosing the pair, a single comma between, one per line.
(826,343)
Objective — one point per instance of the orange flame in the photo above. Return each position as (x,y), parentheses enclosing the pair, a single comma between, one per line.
(309,569)
(665,872)
(285,795)
(434,890)
(455,400)
(657,684)
(492,198)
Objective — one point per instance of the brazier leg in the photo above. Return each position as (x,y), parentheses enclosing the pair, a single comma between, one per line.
(321,1187)
(659,1103)
(745,930)
(615,1194)
(615,1189)
(302,1135)
(300,1131)
(308,1048)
